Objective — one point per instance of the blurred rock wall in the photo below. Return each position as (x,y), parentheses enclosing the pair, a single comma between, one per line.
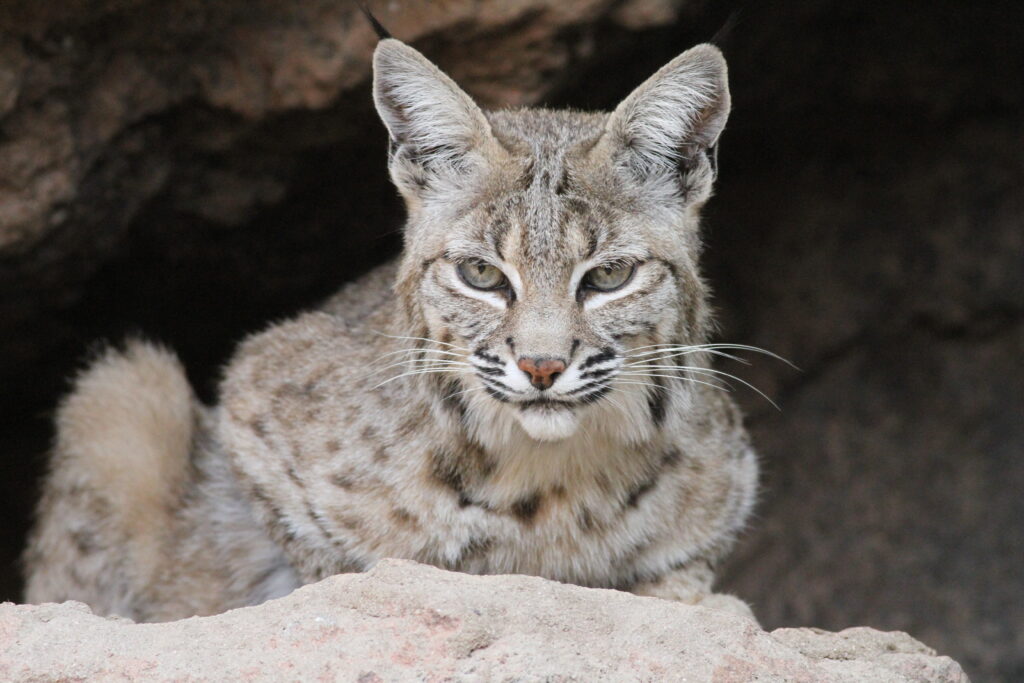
(192,170)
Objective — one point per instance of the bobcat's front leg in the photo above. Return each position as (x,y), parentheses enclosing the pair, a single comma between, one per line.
(692,584)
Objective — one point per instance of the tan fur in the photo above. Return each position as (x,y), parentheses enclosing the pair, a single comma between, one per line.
(395,421)
(124,437)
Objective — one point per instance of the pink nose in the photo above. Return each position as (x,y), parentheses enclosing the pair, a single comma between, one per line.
(542,371)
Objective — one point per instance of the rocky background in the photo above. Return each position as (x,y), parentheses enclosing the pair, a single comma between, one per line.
(192,170)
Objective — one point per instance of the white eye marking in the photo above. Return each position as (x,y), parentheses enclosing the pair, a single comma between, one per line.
(513,277)
(495,296)
(601,298)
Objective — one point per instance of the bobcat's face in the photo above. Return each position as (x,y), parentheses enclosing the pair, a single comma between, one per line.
(544,247)
(549,279)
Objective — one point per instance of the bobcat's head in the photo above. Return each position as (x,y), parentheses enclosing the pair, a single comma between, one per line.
(544,248)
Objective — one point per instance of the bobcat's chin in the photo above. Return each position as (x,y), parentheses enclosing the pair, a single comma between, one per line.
(548,424)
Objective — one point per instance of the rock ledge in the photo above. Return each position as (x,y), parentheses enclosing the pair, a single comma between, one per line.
(405,621)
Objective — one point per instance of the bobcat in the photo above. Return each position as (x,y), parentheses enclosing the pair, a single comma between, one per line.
(527,389)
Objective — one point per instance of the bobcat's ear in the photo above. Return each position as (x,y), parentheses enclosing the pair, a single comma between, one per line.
(669,126)
(434,126)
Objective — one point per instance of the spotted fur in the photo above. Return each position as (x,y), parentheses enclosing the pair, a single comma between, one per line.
(417,415)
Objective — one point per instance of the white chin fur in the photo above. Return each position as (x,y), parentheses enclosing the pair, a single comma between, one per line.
(548,425)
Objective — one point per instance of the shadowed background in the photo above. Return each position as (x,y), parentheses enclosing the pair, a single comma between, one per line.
(193,170)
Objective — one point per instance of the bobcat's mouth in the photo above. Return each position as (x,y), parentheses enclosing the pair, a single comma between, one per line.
(546,404)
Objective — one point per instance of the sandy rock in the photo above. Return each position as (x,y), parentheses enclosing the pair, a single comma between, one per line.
(405,621)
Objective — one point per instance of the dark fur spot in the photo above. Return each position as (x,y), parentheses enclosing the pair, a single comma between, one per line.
(671,458)
(525,179)
(403,517)
(451,397)
(343,481)
(279,527)
(444,469)
(381,455)
(333,445)
(585,520)
(347,521)
(85,542)
(309,391)
(259,427)
(657,403)
(639,491)
(411,423)
(526,509)
(563,181)
(484,465)
(474,549)
(499,232)
(575,205)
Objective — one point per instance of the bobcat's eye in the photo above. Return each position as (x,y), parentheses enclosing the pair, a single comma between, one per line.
(608,278)
(481,275)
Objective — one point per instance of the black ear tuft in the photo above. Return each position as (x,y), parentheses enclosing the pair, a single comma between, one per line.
(378,28)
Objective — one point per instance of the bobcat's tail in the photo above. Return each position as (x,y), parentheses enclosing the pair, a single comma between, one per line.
(119,465)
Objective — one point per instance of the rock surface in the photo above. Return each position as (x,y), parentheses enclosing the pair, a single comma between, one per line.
(404,621)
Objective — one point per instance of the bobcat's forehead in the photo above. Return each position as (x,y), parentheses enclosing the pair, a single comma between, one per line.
(547,205)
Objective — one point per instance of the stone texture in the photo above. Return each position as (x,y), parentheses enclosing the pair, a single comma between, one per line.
(404,621)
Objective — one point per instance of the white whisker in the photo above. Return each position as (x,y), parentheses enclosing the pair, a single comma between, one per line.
(669,353)
(426,339)
(409,351)
(683,349)
(686,379)
(424,362)
(410,374)
(708,371)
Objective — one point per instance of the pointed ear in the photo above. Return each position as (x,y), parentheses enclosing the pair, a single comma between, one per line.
(670,124)
(434,126)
